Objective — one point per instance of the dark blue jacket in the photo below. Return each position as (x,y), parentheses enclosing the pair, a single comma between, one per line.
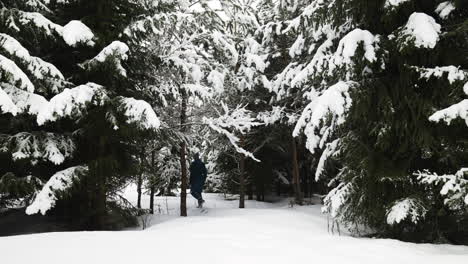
(198,174)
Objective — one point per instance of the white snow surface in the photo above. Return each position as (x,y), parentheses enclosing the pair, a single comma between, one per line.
(261,233)
(76,32)
(423,30)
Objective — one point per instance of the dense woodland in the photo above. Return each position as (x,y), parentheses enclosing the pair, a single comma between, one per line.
(362,101)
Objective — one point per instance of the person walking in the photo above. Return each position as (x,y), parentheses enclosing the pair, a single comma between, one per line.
(198,175)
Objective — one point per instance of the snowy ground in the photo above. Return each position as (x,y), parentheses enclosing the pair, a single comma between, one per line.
(263,233)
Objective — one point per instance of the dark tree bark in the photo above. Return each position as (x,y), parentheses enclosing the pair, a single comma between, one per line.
(183,150)
(152,188)
(242,176)
(139,184)
(250,190)
(295,172)
(140,178)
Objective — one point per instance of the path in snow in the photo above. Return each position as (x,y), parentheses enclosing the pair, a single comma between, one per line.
(263,233)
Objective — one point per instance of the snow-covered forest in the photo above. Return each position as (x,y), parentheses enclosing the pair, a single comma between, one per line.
(348,113)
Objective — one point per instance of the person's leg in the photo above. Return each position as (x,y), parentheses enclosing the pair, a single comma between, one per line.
(195,194)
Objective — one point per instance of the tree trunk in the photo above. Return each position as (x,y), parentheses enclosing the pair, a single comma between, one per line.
(140,177)
(242,176)
(250,190)
(152,188)
(139,184)
(295,173)
(183,149)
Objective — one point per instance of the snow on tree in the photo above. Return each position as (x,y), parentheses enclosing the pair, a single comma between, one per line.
(459,110)
(12,74)
(117,50)
(139,112)
(60,181)
(25,102)
(35,66)
(6,104)
(239,120)
(454,187)
(408,208)
(76,32)
(38,146)
(334,101)
(421,30)
(444,9)
(72,102)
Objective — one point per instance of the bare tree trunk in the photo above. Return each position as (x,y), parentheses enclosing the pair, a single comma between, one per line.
(152,188)
(140,177)
(183,150)
(250,190)
(242,176)
(295,173)
(139,184)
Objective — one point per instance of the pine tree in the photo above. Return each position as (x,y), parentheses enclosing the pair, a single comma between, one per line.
(96,122)
(374,80)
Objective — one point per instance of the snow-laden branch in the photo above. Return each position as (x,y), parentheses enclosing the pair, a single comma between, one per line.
(60,181)
(238,120)
(452,186)
(333,102)
(10,72)
(72,102)
(117,50)
(139,112)
(72,33)
(38,146)
(421,31)
(459,110)
(409,208)
(25,101)
(6,104)
(35,66)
